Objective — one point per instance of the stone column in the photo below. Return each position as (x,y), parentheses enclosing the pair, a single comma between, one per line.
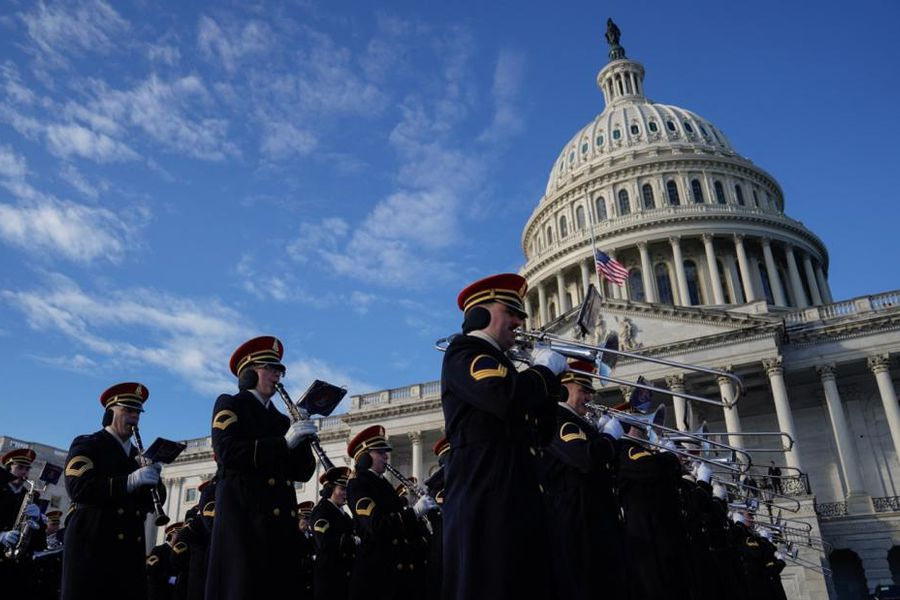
(734,280)
(542,304)
(794,274)
(680,277)
(746,277)
(528,309)
(732,418)
(775,371)
(824,290)
(415,439)
(676,384)
(880,364)
(714,278)
(647,272)
(858,501)
(811,280)
(562,307)
(774,278)
(585,277)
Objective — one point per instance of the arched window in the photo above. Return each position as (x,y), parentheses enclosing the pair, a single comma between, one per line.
(647,193)
(696,191)
(739,192)
(755,199)
(624,204)
(569,300)
(551,310)
(693,282)
(848,574)
(635,130)
(672,191)
(600,205)
(720,192)
(664,284)
(636,285)
(894,562)
(767,285)
(549,235)
(563,227)
(579,217)
(653,126)
(688,128)
(724,281)
(670,125)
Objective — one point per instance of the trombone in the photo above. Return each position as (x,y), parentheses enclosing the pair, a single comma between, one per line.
(584,351)
(741,493)
(787,438)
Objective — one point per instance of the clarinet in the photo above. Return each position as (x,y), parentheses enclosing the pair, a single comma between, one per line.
(161,517)
(294,414)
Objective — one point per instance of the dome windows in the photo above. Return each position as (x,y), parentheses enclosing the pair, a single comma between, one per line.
(670,125)
(672,193)
(647,195)
(584,148)
(739,194)
(549,235)
(600,206)
(687,127)
(636,285)
(635,130)
(616,134)
(703,131)
(600,140)
(652,126)
(624,203)
(664,284)
(563,227)
(720,192)
(579,217)
(571,157)
(696,191)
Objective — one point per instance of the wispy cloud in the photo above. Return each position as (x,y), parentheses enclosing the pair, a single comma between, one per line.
(61,29)
(506,89)
(75,140)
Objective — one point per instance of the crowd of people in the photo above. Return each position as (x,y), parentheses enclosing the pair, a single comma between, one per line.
(535,497)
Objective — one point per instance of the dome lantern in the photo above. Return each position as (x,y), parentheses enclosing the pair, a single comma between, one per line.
(621,78)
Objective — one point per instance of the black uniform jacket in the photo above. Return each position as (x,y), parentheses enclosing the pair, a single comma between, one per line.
(196,533)
(495,544)
(383,558)
(254,550)
(581,508)
(335,551)
(654,537)
(159,569)
(104,548)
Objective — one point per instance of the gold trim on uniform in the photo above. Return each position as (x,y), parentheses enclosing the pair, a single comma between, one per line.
(209,510)
(574,432)
(152,560)
(479,374)
(492,294)
(751,543)
(639,455)
(86,464)
(364,507)
(179,547)
(321,526)
(223,419)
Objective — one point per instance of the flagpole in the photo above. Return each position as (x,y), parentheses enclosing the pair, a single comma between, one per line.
(594,247)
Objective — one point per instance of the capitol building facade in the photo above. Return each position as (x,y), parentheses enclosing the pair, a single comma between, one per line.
(719,276)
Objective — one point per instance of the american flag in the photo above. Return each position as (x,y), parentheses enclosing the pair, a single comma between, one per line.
(610,268)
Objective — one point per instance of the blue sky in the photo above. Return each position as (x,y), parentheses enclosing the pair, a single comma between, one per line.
(177,179)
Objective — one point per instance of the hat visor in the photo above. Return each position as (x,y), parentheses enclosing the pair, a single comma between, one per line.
(133,405)
(516,307)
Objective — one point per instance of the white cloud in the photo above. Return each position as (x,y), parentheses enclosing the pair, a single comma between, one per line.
(68,140)
(12,165)
(240,41)
(60,29)
(507,120)
(282,140)
(71,175)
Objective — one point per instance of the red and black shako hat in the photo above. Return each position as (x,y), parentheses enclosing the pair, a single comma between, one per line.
(336,475)
(263,350)
(20,456)
(370,438)
(506,288)
(441,447)
(583,380)
(130,394)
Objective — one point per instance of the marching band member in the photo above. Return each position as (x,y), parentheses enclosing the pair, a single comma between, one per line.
(654,538)
(490,412)
(435,487)
(581,507)
(306,547)
(103,554)
(260,455)
(16,574)
(384,566)
(161,576)
(196,534)
(335,541)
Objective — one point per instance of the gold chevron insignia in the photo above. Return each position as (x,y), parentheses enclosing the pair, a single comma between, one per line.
(209,510)
(484,366)
(570,431)
(78,466)
(364,507)
(152,560)
(637,456)
(179,547)
(223,419)
(321,526)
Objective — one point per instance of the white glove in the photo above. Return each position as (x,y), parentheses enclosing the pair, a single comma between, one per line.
(32,512)
(298,432)
(9,538)
(546,357)
(172,580)
(148,475)
(668,446)
(613,428)
(720,492)
(304,414)
(357,540)
(704,473)
(423,505)
(602,420)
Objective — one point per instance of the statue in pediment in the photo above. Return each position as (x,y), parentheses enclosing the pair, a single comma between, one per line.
(628,334)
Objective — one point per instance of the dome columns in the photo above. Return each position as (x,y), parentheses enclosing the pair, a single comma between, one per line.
(772,272)
(794,273)
(718,295)
(647,273)
(743,263)
(680,277)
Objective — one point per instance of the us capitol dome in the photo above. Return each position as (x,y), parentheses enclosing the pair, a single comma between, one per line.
(666,194)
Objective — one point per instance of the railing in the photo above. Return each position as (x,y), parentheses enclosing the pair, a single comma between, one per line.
(863,304)
(399,393)
(830,510)
(374,398)
(797,485)
(329,422)
(887,504)
(432,388)
(409,393)
(199,442)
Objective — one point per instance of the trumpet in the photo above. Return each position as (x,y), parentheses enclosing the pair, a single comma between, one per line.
(295,415)
(161,517)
